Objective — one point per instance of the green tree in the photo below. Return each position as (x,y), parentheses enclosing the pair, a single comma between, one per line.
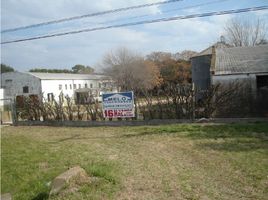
(6,68)
(82,69)
(78,68)
(171,70)
(88,70)
(43,70)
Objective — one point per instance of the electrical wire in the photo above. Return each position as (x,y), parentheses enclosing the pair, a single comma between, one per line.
(88,15)
(144,22)
(162,12)
(167,11)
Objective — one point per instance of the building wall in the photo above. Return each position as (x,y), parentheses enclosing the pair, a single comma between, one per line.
(241,78)
(67,87)
(13,83)
(1,97)
(224,79)
(70,87)
(201,73)
(250,99)
(250,79)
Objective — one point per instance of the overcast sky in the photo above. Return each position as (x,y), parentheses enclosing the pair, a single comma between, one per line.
(89,48)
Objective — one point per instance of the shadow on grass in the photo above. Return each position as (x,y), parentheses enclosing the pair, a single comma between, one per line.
(259,131)
(235,137)
(175,130)
(145,133)
(207,131)
(232,137)
(235,145)
(69,138)
(41,196)
(78,137)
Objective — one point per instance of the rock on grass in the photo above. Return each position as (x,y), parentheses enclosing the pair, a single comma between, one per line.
(73,176)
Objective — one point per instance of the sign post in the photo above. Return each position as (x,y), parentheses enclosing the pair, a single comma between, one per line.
(118,105)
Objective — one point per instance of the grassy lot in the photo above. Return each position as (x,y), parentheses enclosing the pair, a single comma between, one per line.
(148,162)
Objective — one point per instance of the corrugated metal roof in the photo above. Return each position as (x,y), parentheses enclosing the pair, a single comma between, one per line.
(242,60)
(208,51)
(66,76)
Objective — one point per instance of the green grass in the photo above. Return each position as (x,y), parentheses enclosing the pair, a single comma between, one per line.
(192,161)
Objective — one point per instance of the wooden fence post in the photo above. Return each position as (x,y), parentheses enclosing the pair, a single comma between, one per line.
(13,111)
(193,101)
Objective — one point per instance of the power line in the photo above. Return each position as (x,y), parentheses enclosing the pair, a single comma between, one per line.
(166,11)
(144,22)
(162,12)
(88,15)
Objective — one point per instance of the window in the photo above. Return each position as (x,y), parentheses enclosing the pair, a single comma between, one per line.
(25,89)
(85,85)
(70,86)
(262,81)
(60,87)
(79,86)
(8,81)
(91,85)
(66,87)
(99,85)
(50,97)
(74,86)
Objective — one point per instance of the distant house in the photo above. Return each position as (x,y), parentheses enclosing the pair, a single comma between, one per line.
(224,64)
(50,86)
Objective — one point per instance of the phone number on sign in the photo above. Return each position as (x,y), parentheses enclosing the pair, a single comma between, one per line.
(118,113)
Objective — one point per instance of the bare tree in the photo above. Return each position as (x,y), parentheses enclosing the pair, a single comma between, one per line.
(130,70)
(159,56)
(245,32)
(184,55)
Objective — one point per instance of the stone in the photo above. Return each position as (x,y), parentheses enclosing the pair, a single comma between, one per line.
(72,175)
(6,196)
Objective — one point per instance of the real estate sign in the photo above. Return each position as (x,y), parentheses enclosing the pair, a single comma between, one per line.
(119,104)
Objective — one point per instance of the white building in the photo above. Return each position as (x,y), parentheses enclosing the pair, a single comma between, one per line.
(1,97)
(52,85)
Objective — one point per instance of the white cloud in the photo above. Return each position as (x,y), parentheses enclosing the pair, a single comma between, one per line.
(25,12)
(64,52)
(261,13)
(88,48)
